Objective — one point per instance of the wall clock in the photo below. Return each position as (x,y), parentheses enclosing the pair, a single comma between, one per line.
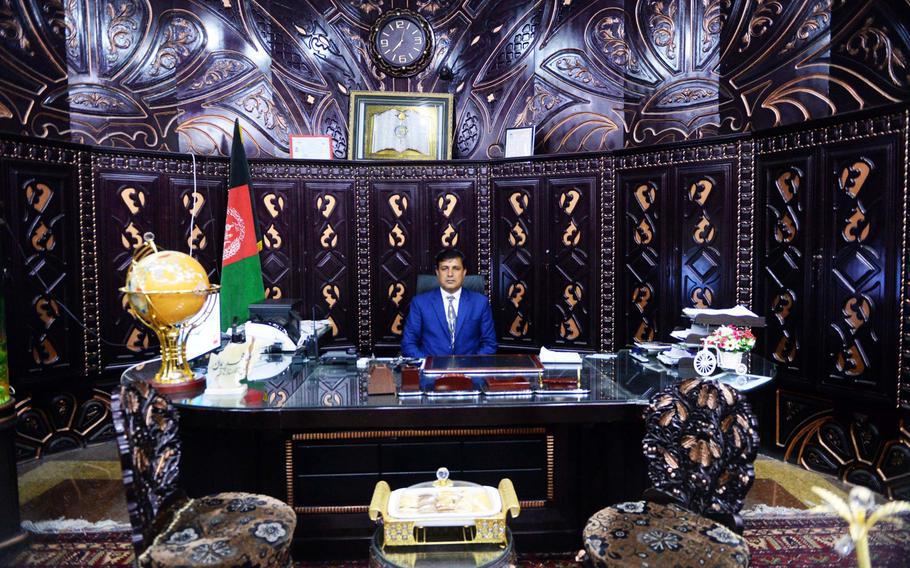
(401,42)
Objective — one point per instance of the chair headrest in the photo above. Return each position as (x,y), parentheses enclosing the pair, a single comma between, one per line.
(426,282)
(701,438)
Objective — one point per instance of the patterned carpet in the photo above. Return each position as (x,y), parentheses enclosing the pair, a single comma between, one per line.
(792,541)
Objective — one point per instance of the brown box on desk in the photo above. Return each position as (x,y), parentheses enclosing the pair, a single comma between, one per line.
(505,384)
(559,383)
(381,381)
(452,383)
(410,378)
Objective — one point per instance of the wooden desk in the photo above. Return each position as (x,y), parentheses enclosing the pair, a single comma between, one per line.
(312,437)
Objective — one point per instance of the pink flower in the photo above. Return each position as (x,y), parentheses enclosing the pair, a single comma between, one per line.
(731,338)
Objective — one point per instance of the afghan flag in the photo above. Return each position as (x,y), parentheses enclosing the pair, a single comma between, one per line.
(241,272)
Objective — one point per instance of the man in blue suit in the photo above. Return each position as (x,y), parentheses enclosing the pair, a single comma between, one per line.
(451,320)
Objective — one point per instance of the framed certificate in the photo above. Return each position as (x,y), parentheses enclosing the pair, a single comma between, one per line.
(400,126)
(311,147)
(519,142)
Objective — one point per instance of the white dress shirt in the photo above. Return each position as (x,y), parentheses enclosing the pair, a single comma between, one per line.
(445,300)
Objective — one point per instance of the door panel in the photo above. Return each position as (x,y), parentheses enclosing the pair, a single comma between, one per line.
(859,267)
(785,296)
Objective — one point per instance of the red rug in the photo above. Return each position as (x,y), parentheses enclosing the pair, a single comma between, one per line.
(809,541)
(806,542)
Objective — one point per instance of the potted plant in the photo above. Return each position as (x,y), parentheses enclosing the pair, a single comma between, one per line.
(731,342)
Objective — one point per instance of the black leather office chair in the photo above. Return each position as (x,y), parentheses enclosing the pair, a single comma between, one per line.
(473,282)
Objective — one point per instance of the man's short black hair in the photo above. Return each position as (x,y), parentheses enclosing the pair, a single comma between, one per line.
(449,254)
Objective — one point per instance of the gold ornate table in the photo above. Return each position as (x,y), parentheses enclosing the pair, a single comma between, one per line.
(448,556)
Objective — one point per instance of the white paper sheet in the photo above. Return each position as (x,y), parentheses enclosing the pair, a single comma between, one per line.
(734,311)
(550,356)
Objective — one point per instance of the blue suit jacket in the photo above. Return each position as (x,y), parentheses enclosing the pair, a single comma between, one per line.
(426,331)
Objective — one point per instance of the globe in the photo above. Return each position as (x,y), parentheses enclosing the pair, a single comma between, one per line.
(172,287)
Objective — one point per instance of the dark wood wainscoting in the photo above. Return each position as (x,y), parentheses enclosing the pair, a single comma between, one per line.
(586,252)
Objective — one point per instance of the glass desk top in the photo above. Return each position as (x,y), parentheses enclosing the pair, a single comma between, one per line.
(620,378)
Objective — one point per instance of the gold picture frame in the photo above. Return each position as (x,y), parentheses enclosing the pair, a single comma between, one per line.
(400,126)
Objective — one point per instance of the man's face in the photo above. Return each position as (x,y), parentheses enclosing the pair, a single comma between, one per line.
(450,274)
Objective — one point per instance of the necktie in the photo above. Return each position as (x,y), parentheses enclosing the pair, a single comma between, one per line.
(450,315)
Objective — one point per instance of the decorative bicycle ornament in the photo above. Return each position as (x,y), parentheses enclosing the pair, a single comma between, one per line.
(709,358)
(724,348)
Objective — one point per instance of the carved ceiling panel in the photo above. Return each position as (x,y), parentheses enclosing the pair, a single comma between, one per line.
(590,76)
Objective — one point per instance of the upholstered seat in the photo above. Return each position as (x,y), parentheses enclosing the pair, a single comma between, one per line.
(640,532)
(700,442)
(169,529)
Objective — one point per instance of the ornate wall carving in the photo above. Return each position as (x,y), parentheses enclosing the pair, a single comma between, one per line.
(682,221)
(591,76)
(41,216)
(572,246)
(546,219)
(857,447)
(828,256)
(708,235)
(396,239)
(516,278)
(345,241)
(62,421)
(278,207)
(330,211)
(639,246)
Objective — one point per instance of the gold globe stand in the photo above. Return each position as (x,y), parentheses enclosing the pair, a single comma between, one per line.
(175,373)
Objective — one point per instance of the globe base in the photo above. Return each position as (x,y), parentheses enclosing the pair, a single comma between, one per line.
(165,387)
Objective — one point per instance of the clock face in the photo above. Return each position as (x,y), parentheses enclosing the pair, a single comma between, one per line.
(401,42)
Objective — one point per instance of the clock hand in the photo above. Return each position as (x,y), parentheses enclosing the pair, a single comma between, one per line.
(400,41)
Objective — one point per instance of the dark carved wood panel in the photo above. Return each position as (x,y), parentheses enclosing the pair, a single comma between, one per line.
(42,246)
(871,449)
(860,266)
(707,235)
(278,205)
(197,220)
(396,239)
(517,297)
(571,250)
(132,204)
(786,254)
(451,220)
(640,247)
(330,221)
(591,76)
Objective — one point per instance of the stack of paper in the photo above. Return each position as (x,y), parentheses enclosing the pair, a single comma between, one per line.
(736,311)
(559,357)
(738,315)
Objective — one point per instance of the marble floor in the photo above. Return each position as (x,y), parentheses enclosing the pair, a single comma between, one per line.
(83,488)
(76,485)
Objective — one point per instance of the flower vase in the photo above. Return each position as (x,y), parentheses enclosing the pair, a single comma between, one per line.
(730,359)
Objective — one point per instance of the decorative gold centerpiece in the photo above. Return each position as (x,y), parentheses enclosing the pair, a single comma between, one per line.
(169,292)
(426,514)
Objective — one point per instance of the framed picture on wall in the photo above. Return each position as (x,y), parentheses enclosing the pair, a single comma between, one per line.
(311,147)
(400,126)
(519,142)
